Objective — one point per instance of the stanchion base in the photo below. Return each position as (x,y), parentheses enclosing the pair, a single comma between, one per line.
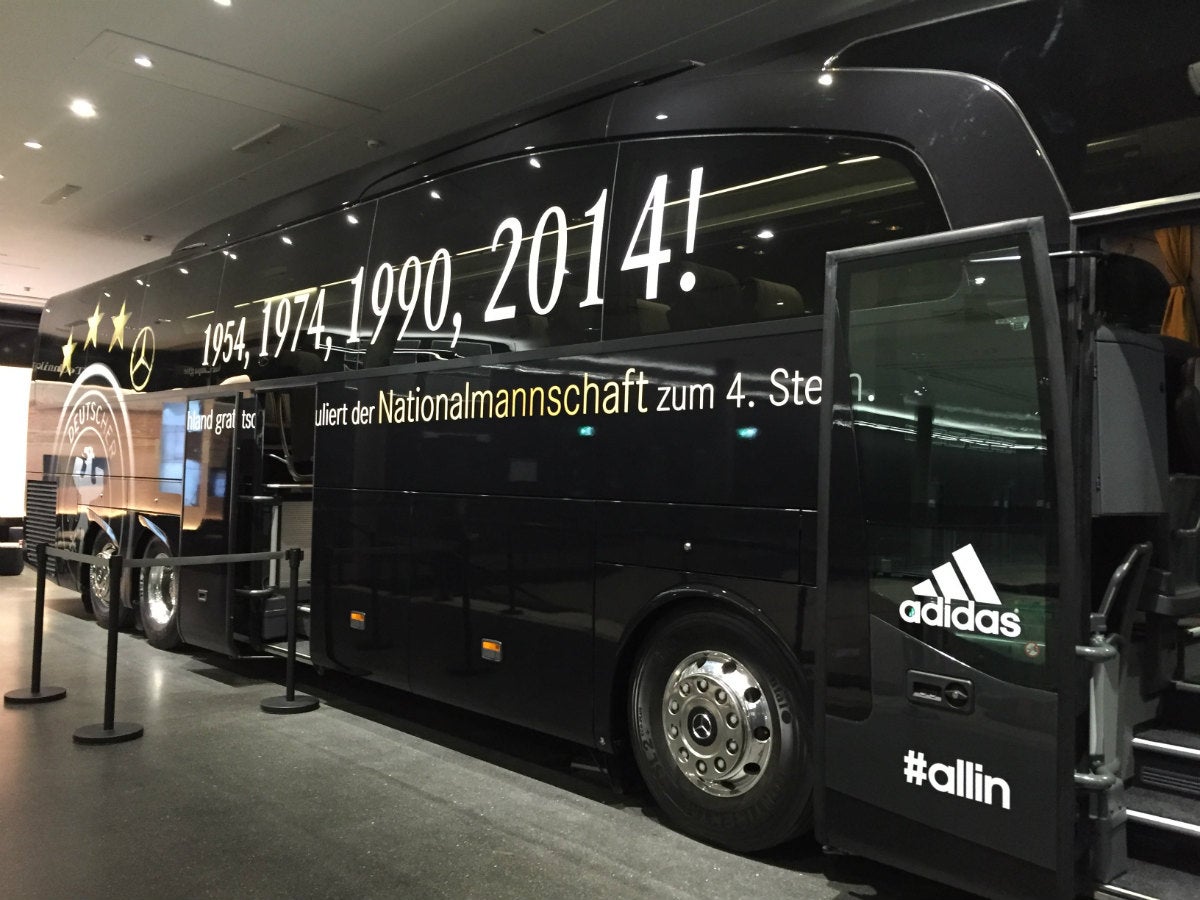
(28,695)
(98,734)
(302,703)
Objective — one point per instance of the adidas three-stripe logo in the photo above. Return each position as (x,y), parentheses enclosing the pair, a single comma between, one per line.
(944,601)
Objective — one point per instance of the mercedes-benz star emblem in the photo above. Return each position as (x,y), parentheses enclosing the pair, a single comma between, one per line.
(141,359)
(703,727)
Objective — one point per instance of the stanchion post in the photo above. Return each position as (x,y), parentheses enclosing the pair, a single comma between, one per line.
(110,732)
(36,693)
(290,703)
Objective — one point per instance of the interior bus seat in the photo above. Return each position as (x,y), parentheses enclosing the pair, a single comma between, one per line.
(652,317)
(1131,292)
(715,297)
(1181,380)
(627,313)
(567,322)
(771,300)
(529,331)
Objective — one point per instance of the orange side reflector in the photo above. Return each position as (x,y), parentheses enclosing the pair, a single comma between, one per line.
(491,645)
(358,617)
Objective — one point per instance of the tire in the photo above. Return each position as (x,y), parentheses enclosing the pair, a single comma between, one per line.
(158,596)
(96,588)
(719,728)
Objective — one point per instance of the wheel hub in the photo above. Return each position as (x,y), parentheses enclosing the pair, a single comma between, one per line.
(98,575)
(160,592)
(717,723)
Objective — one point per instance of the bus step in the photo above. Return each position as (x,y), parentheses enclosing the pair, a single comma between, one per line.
(1163,832)
(303,650)
(1159,817)
(1149,881)
(1168,759)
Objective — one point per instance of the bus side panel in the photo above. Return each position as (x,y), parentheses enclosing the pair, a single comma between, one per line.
(502,608)
(361,582)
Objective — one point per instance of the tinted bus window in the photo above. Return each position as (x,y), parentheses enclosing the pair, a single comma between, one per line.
(184,299)
(505,256)
(950,424)
(723,230)
(289,298)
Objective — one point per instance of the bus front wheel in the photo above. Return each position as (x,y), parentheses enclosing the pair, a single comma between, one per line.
(718,724)
(158,596)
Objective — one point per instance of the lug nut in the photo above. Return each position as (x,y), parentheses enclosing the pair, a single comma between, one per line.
(719,764)
(722,696)
(683,754)
(674,731)
(702,684)
(733,720)
(685,688)
(673,706)
(701,767)
(731,746)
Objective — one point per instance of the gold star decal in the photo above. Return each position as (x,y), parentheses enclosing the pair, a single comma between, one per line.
(68,350)
(119,320)
(94,320)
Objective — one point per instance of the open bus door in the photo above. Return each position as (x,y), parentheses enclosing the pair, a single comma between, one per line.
(947,563)
(210,478)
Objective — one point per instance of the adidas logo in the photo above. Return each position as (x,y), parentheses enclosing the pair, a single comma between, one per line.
(971,608)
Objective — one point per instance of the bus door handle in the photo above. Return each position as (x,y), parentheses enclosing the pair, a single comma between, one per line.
(952,694)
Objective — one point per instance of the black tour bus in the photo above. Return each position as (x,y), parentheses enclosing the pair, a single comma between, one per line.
(800,430)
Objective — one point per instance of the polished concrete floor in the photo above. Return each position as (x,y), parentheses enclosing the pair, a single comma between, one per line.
(376,794)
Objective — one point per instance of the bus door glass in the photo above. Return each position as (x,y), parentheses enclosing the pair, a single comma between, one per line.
(946,562)
(209,480)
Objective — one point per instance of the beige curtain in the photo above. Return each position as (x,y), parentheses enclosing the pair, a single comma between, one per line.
(1179,320)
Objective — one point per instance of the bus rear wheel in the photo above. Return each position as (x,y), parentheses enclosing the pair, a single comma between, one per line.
(96,584)
(719,729)
(158,596)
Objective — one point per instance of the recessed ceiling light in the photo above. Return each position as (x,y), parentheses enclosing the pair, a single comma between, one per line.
(661,116)
(83,108)
(33,145)
(825,79)
(435,195)
(535,162)
(183,270)
(223,2)
(287,240)
(144,61)
(765,235)
(352,218)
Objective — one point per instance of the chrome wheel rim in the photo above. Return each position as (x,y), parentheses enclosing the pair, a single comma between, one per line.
(160,597)
(717,723)
(98,574)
